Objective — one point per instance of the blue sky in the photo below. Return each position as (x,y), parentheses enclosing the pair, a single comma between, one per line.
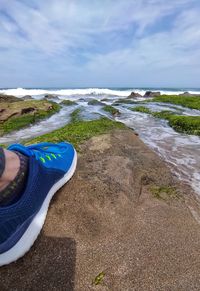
(99,43)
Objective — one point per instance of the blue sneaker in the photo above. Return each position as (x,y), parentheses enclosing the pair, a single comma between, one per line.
(50,167)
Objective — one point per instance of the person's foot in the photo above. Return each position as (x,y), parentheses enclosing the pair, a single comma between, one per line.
(50,167)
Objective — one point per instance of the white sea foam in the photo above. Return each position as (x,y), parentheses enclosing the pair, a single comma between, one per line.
(20,92)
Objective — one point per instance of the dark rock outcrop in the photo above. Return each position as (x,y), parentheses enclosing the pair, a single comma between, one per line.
(151,94)
(50,96)
(134,95)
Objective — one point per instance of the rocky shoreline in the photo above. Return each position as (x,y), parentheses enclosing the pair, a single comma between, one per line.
(16,113)
(122,223)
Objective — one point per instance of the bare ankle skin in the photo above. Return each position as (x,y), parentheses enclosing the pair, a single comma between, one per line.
(12,167)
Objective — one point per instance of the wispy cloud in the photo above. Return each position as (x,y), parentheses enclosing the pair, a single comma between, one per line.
(78,42)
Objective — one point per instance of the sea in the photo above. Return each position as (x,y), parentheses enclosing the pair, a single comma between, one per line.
(72,92)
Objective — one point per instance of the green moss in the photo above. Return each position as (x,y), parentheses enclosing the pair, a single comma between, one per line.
(164,192)
(165,114)
(75,115)
(16,123)
(124,101)
(142,109)
(185,124)
(111,110)
(185,101)
(95,102)
(68,103)
(180,123)
(79,131)
(98,279)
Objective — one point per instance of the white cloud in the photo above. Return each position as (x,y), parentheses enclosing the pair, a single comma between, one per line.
(56,34)
(53,25)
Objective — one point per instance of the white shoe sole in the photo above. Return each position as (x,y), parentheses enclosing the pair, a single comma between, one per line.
(32,232)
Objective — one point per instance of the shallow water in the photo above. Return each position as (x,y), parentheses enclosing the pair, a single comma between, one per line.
(55,121)
(181,151)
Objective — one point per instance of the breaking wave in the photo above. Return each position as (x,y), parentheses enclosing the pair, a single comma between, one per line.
(20,92)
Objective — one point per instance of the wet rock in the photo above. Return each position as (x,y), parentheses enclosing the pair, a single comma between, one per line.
(134,95)
(151,94)
(187,94)
(95,102)
(9,98)
(107,100)
(81,100)
(51,96)
(27,97)
(68,103)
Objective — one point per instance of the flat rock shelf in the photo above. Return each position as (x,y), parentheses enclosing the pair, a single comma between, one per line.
(122,223)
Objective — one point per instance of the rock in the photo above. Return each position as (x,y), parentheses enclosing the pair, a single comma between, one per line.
(187,94)
(27,110)
(68,103)
(9,98)
(95,102)
(134,95)
(50,96)
(9,110)
(151,94)
(27,97)
(82,100)
(106,219)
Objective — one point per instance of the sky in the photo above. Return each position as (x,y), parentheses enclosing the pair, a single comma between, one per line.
(99,43)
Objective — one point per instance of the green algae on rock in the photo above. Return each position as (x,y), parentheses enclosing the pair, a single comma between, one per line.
(164,192)
(192,102)
(79,131)
(68,103)
(98,279)
(75,115)
(141,109)
(17,115)
(110,109)
(180,123)
(95,102)
(124,101)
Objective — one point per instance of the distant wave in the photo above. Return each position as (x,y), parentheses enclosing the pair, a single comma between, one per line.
(20,92)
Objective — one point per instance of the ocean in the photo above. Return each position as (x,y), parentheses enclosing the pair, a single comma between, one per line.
(75,93)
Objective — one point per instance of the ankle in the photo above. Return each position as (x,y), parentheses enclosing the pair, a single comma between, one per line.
(12,166)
